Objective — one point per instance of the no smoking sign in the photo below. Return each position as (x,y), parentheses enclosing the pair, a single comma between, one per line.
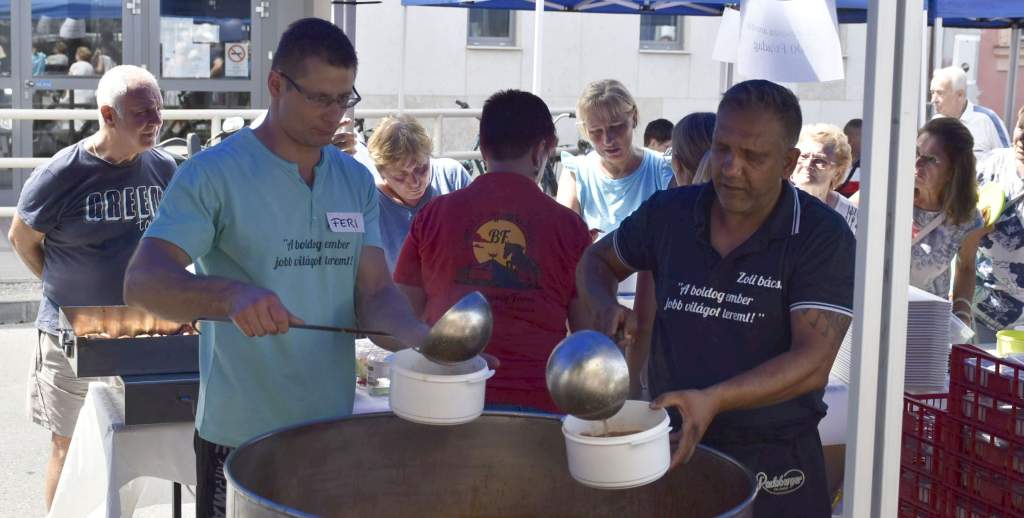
(237,63)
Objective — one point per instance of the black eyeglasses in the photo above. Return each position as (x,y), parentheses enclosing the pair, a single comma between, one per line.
(325,101)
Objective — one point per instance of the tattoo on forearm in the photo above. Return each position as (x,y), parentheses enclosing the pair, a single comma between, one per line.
(828,324)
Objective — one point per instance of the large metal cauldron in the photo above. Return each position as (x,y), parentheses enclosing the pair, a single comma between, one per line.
(502,464)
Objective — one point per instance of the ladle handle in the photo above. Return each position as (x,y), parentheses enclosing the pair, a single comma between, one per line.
(312,327)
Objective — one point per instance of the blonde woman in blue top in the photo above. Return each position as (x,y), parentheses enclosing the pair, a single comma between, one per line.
(609,183)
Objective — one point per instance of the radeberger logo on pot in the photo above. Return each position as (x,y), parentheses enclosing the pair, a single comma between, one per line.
(781,484)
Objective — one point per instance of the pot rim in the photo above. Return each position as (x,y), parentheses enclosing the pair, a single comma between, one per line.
(233,483)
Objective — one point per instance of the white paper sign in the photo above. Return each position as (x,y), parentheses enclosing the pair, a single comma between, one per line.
(790,41)
(345,222)
(205,33)
(174,30)
(236,59)
(727,41)
(191,60)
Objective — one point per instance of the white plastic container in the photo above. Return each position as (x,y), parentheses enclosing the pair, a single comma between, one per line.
(430,393)
(619,462)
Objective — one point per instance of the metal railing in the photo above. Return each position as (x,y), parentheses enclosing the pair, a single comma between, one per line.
(216,118)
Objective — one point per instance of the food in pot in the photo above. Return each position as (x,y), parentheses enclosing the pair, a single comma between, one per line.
(611,434)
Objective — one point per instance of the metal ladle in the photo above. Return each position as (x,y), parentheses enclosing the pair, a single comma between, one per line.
(459,335)
(587,376)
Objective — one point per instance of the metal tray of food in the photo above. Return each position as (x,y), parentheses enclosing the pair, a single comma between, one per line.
(124,341)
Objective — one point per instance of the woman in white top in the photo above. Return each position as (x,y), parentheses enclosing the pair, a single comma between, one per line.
(947,223)
(609,184)
(825,156)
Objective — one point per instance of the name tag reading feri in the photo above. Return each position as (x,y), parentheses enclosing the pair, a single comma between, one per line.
(346,222)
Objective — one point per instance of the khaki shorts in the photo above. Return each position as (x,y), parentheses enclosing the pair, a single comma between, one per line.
(55,395)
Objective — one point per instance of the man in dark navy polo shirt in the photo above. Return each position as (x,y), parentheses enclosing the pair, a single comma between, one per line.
(754,284)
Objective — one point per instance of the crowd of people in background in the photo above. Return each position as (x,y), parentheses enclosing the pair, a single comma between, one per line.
(748,187)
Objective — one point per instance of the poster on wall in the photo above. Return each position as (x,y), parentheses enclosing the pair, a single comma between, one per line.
(236,59)
(792,41)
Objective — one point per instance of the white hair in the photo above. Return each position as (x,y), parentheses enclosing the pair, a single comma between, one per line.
(116,82)
(955,75)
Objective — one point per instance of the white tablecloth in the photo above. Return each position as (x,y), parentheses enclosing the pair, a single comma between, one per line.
(112,469)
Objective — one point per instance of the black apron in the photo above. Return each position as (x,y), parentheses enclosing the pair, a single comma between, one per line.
(788,464)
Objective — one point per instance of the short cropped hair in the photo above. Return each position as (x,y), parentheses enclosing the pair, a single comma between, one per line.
(608,99)
(116,82)
(512,122)
(831,136)
(691,138)
(955,75)
(852,124)
(313,38)
(960,194)
(658,130)
(83,53)
(760,94)
(397,139)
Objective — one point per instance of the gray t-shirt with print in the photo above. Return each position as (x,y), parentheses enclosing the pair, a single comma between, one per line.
(93,214)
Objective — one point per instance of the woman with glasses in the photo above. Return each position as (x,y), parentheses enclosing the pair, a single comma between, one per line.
(825,156)
(945,213)
(409,178)
(608,184)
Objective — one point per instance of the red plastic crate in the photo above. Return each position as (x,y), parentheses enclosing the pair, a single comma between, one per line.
(939,476)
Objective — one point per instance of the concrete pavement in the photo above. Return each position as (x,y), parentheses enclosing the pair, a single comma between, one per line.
(24,446)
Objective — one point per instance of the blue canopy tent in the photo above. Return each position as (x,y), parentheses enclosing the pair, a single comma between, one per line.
(79,9)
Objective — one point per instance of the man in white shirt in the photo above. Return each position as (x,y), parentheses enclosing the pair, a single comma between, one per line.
(949,97)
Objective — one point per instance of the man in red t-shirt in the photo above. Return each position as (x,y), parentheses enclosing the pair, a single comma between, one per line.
(504,237)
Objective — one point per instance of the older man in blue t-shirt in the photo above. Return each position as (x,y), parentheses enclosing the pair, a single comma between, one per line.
(79,218)
(754,287)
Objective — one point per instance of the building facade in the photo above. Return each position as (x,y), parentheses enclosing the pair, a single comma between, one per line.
(216,54)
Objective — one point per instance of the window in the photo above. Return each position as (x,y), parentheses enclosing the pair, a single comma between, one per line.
(5,43)
(193,99)
(51,136)
(75,38)
(491,28)
(205,39)
(661,32)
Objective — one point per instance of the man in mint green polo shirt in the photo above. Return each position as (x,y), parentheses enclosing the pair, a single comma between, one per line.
(282,228)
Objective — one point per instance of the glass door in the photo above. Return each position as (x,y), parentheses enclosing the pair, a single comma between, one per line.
(207,56)
(8,90)
(72,44)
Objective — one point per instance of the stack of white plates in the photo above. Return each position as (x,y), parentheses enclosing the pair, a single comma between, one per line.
(928,335)
(841,367)
(927,366)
